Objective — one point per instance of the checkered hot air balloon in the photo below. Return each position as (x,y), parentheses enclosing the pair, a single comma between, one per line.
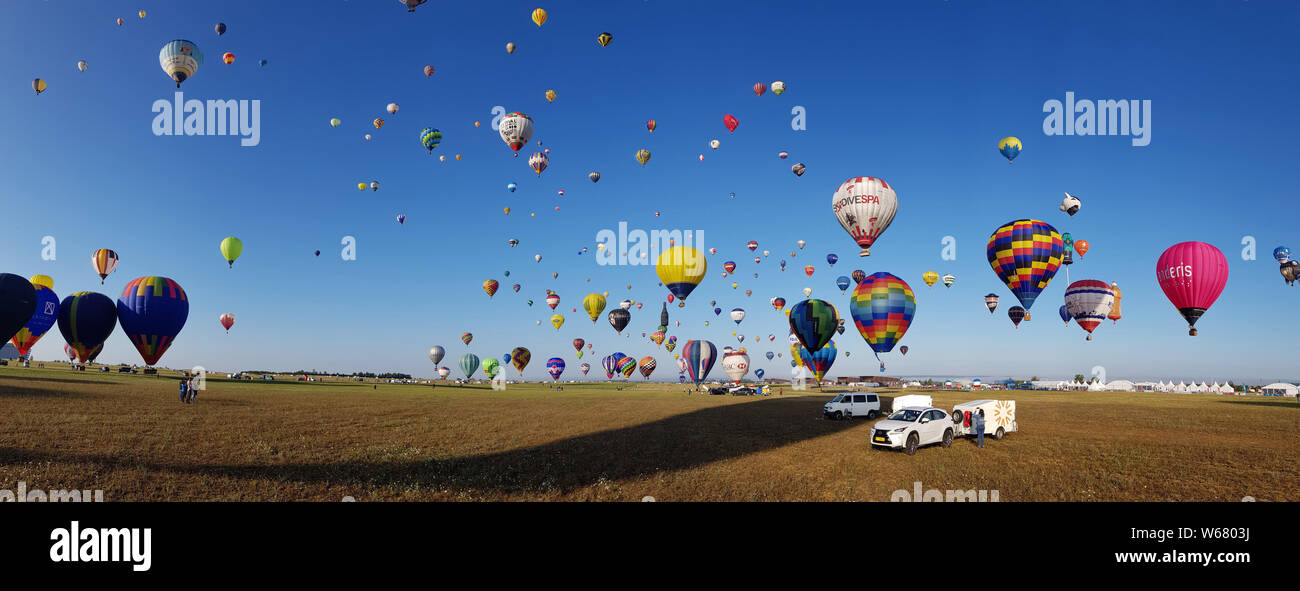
(1025,255)
(882,307)
(647,366)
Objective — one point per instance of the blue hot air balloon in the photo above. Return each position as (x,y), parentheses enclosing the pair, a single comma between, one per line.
(46,314)
(469,364)
(555,367)
(814,322)
(152,311)
(699,356)
(842,282)
(1282,254)
(770,355)
(759,373)
(86,319)
(180,59)
(17,303)
(430,138)
(832,258)
(1065,314)
(820,362)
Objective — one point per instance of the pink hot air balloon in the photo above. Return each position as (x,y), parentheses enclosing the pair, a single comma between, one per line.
(1192,275)
(731,122)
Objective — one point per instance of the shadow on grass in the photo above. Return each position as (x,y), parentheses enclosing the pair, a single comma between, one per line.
(674,443)
(42,379)
(17,392)
(1289,403)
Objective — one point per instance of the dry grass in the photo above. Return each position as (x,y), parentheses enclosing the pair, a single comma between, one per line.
(285,441)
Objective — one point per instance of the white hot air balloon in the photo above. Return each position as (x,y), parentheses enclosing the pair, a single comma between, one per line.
(392,108)
(865,206)
(516,130)
(443,372)
(1088,302)
(801,244)
(537,257)
(625,304)
(948,280)
(1071,204)
(436,353)
(736,364)
(737,315)
(714,144)
(82,65)
(807,291)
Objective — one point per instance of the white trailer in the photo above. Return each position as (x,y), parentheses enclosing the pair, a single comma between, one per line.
(910,400)
(999,417)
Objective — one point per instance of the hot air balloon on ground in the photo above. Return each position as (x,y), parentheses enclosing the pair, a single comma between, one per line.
(85,320)
(736,364)
(436,353)
(699,357)
(1192,275)
(468,364)
(865,206)
(180,59)
(231,248)
(227,321)
(43,317)
(819,362)
(1009,147)
(814,322)
(103,261)
(1089,301)
(882,307)
(18,304)
(152,311)
(555,367)
(516,130)
(1016,314)
(1025,254)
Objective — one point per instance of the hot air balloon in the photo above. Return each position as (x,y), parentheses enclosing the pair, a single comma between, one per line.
(82,65)
(618,318)
(948,280)
(436,353)
(814,322)
(227,321)
(552,299)
(882,307)
(85,319)
(519,357)
(586,367)
(469,364)
(1088,301)
(228,57)
(1282,254)
(539,17)
(819,362)
(991,302)
(699,357)
(1081,247)
(759,88)
(443,372)
(550,96)
(1071,204)
(516,130)
(490,286)
(261,62)
(430,138)
(20,304)
(555,367)
(778,88)
(104,261)
(1290,271)
(538,162)
(610,364)
(643,156)
(428,71)
(43,316)
(180,59)
(832,258)
(557,320)
(902,350)
(681,268)
(152,311)
(1009,147)
(378,123)
(858,275)
(510,48)
(1065,314)
(647,366)
(466,338)
(625,304)
(809,270)
(737,315)
(491,366)
(731,122)
(736,364)
(865,206)
(1016,314)
(335,122)
(120,21)
(1025,255)
(1192,275)
(231,248)
(594,304)
(410,7)
(714,144)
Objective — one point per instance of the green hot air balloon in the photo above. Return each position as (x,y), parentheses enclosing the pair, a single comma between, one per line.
(491,366)
(469,364)
(814,323)
(231,248)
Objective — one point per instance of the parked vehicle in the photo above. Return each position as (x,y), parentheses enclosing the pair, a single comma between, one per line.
(911,427)
(717,391)
(901,402)
(741,391)
(852,404)
(999,417)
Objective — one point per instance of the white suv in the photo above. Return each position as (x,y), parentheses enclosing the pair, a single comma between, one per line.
(852,404)
(911,427)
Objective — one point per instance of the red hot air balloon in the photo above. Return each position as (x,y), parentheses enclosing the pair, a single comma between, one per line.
(1192,275)
(760,88)
(752,245)
(809,270)
(730,266)
(731,122)
(227,321)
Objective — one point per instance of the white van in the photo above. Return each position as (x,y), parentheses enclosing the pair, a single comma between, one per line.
(852,404)
(999,417)
(901,402)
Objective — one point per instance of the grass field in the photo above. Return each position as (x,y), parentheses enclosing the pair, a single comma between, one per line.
(286,441)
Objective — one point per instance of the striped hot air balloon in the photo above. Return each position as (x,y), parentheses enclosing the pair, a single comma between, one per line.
(42,319)
(1025,254)
(699,357)
(1088,301)
(882,307)
(625,366)
(430,138)
(538,162)
(469,364)
(103,261)
(86,319)
(180,59)
(490,286)
(820,362)
(152,311)
(555,367)
(466,338)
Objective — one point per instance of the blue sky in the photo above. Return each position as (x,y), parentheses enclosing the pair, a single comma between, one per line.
(918,93)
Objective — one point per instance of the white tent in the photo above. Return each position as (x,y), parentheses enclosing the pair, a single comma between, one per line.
(1181,388)
(1121,386)
(1279,389)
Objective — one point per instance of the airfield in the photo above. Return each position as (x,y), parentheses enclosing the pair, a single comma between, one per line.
(283,440)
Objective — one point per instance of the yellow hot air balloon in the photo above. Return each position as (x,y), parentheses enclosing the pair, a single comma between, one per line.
(681,268)
(557,321)
(643,156)
(231,248)
(43,280)
(507,211)
(539,17)
(929,277)
(361,186)
(594,304)
(141,13)
(550,95)
(38,85)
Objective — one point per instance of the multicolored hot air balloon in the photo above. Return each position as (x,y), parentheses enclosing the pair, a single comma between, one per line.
(85,319)
(948,280)
(555,367)
(699,357)
(1025,254)
(681,269)
(103,261)
(1088,301)
(516,129)
(466,338)
(991,302)
(813,322)
(43,317)
(1016,314)
(671,344)
(490,286)
(152,311)
(1009,147)
(865,206)
(180,59)
(647,366)
(539,17)
(819,362)
(430,138)
(538,162)
(1192,275)
(428,71)
(882,307)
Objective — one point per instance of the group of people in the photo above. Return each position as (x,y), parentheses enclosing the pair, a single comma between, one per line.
(188,390)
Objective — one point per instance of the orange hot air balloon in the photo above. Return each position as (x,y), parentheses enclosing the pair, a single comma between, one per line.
(228,57)
(1081,247)
(490,286)
(809,270)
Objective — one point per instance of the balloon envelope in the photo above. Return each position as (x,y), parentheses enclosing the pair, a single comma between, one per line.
(1192,275)
(152,311)
(18,299)
(1025,255)
(813,322)
(86,319)
(699,357)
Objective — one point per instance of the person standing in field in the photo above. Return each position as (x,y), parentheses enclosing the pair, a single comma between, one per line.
(183,392)
(194,392)
(979,428)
